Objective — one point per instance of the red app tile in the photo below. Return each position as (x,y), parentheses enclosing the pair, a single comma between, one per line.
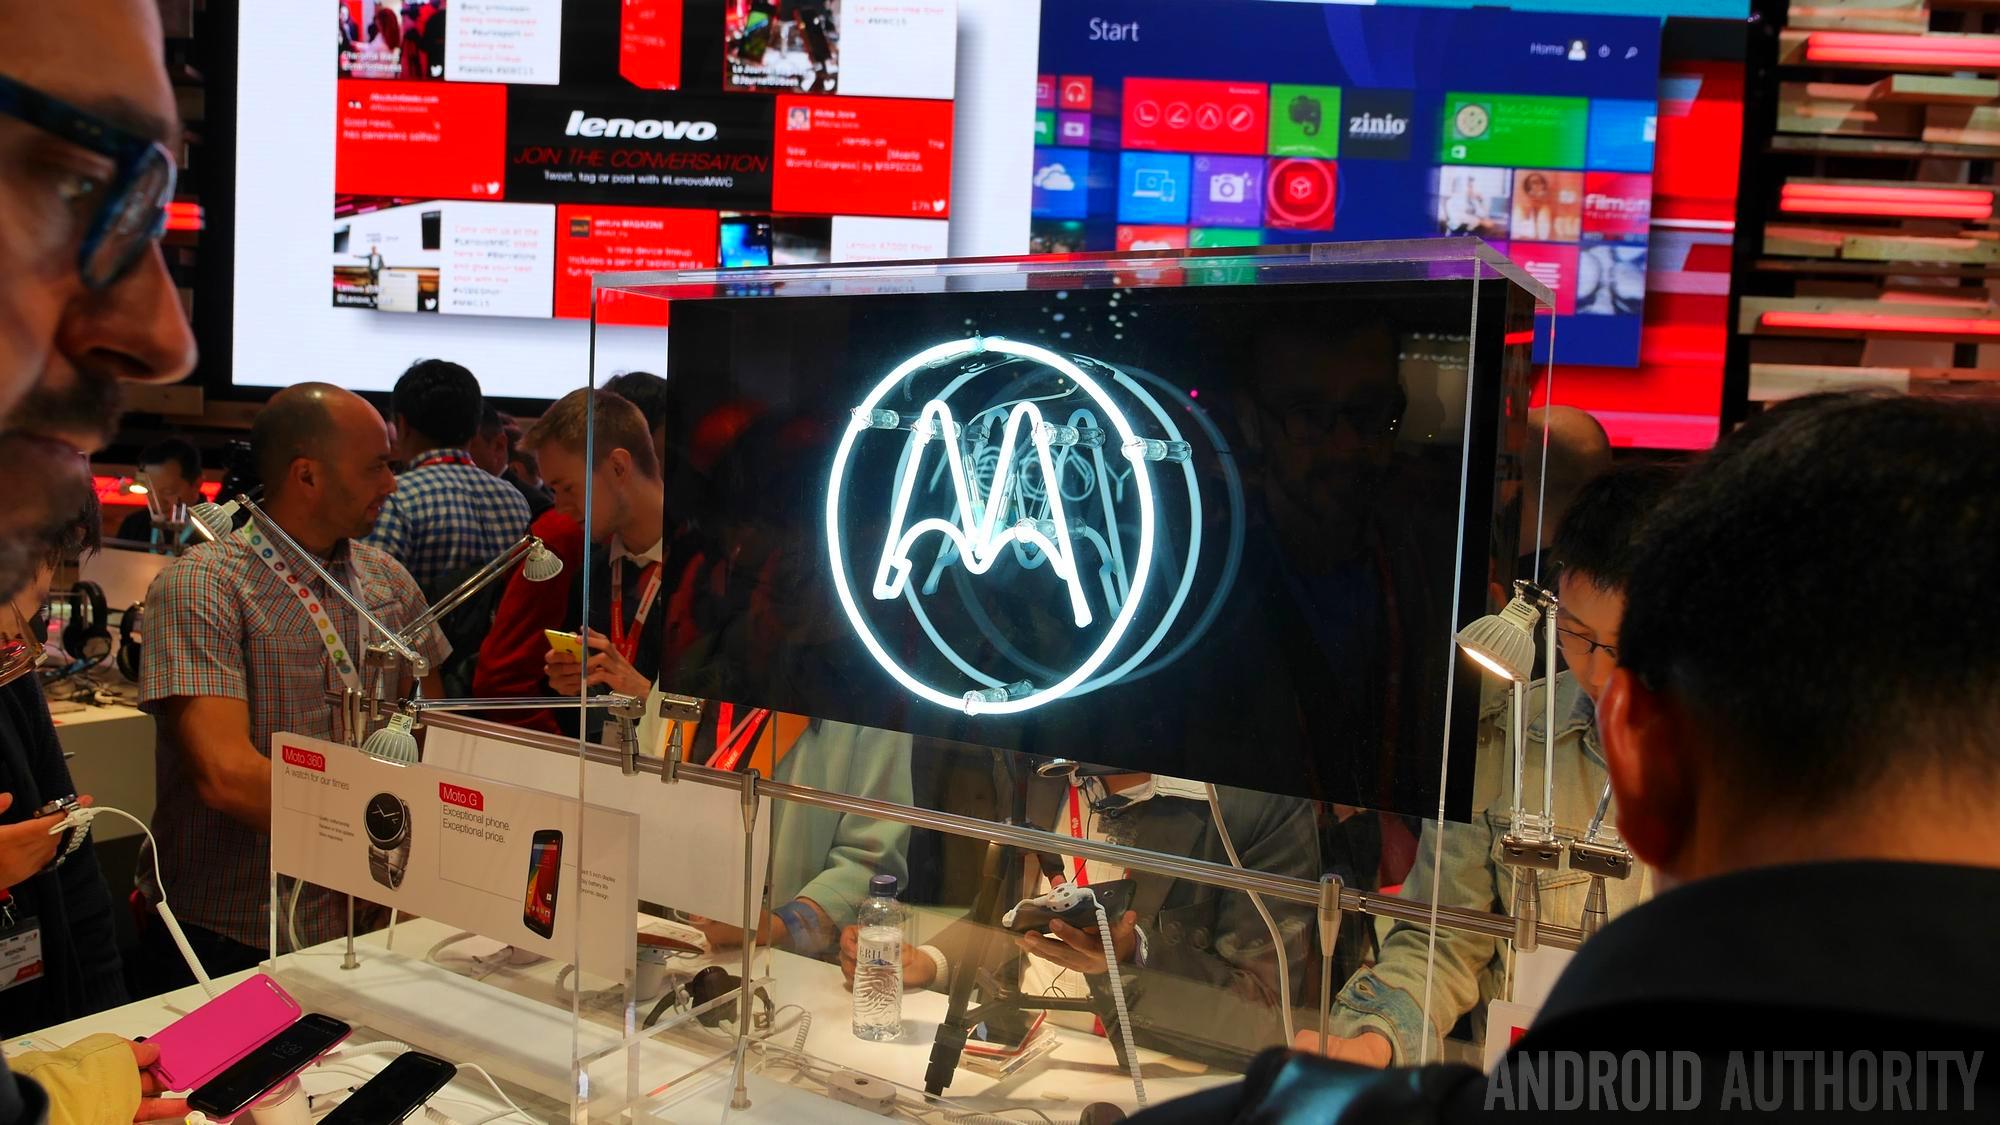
(1152,238)
(436,140)
(1073,91)
(1179,115)
(1554,265)
(1617,206)
(593,239)
(1299,193)
(1045,91)
(862,156)
(649,43)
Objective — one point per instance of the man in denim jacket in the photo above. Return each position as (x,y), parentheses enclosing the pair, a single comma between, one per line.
(1378,1016)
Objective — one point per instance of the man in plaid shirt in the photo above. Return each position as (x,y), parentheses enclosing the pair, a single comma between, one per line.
(448,515)
(232,657)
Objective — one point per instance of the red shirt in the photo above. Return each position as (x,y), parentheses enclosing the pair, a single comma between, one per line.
(512,657)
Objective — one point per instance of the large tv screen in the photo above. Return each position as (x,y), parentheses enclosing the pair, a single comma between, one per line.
(1171,123)
(452,174)
(921,511)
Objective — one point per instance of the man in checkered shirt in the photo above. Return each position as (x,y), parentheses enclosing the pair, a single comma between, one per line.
(232,657)
(448,515)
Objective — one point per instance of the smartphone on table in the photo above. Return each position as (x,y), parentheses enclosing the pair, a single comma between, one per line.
(395,1093)
(206,1041)
(538,911)
(268,1066)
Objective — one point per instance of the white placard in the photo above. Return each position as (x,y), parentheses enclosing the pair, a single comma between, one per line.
(499,259)
(539,871)
(516,41)
(898,48)
(859,238)
(691,834)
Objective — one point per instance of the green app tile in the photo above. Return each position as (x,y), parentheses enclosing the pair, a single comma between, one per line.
(1521,130)
(1205,237)
(1045,126)
(1305,121)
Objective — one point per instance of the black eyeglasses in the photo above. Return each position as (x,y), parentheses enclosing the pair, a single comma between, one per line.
(132,212)
(1591,646)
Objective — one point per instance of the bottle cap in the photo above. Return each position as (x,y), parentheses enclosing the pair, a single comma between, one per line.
(883,886)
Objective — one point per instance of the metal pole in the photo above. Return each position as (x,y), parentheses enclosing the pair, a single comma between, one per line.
(751,928)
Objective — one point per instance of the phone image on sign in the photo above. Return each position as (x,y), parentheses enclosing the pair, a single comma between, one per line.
(560,641)
(538,912)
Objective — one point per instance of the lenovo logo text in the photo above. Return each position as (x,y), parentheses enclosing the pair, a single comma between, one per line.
(645,129)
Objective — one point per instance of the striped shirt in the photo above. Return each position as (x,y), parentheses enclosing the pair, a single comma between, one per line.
(220,623)
(447,516)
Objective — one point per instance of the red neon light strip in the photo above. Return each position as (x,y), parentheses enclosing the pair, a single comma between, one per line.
(1890,194)
(1873,207)
(1971,60)
(1864,322)
(184,216)
(1854,46)
(1526,336)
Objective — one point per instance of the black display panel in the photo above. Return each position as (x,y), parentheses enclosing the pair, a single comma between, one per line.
(1266,499)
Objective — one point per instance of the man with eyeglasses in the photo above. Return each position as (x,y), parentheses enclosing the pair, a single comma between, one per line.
(1378,1016)
(86,118)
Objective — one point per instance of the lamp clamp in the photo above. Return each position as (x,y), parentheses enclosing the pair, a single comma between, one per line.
(1611,861)
(678,711)
(1531,849)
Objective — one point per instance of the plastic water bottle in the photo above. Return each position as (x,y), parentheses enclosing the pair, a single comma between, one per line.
(878,963)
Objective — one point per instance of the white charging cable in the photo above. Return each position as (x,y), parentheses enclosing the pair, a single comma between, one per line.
(1118,1001)
(1278,947)
(80,818)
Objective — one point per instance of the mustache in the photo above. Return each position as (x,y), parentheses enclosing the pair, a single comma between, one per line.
(89,404)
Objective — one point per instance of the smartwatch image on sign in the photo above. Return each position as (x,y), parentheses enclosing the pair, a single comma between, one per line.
(388,823)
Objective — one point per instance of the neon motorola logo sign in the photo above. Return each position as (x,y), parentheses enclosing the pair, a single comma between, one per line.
(1022,476)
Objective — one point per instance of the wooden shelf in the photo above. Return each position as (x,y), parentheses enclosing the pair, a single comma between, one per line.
(1837,268)
(1869,146)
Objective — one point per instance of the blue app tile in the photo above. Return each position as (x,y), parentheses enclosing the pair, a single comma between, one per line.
(1153,188)
(1621,135)
(1061,183)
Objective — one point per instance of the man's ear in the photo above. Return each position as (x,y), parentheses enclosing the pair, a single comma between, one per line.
(619,463)
(1651,767)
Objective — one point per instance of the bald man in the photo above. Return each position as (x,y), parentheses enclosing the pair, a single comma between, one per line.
(1579,451)
(78,312)
(232,657)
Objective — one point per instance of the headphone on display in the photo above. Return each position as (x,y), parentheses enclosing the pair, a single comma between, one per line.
(85,637)
(128,640)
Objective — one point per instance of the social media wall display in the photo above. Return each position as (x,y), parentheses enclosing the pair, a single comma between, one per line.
(1201,123)
(494,154)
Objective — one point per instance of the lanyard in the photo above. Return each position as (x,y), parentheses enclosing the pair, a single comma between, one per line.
(1076,832)
(336,649)
(649,592)
(732,739)
(443,457)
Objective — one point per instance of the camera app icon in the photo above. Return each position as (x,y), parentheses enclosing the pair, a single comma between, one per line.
(1229,187)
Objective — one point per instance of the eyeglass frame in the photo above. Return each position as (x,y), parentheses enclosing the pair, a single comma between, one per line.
(132,157)
(1591,646)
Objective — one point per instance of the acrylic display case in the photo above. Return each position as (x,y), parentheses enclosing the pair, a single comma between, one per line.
(1138,572)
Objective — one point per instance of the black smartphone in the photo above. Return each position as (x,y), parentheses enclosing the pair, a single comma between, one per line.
(538,910)
(389,1097)
(256,1073)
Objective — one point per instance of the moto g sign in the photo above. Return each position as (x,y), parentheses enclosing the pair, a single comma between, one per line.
(1375,124)
(993,522)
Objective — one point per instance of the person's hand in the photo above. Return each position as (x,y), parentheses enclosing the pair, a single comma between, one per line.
(564,671)
(153,1107)
(27,847)
(919,971)
(608,667)
(1083,950)
(1370,1048)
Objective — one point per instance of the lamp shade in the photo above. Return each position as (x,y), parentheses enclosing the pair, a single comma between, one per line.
(213,520)
(541,564)
(1504,643)
(394,742)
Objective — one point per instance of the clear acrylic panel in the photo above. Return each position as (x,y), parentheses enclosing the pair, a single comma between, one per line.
(1004,574)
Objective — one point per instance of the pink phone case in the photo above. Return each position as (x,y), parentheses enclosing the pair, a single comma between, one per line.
(206,1041)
